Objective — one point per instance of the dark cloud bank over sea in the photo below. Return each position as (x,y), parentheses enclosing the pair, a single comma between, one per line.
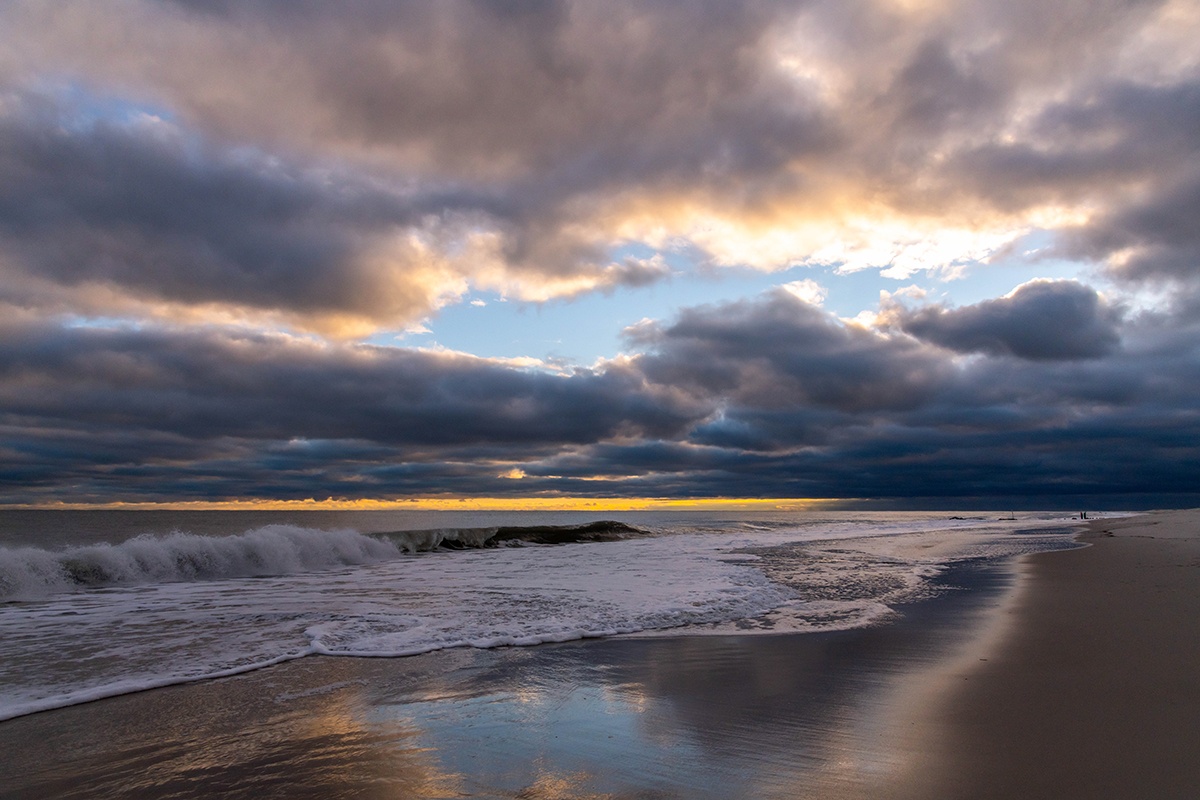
(199,235)
(770,397)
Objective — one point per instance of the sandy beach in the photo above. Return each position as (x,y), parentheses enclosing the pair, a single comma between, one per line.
(1067,675)
(1093,691)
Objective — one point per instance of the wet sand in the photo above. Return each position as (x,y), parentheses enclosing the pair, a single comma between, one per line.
(1093,691)
(1068,675)
(706,717)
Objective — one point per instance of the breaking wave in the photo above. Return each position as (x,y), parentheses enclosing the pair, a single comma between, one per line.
(31,572)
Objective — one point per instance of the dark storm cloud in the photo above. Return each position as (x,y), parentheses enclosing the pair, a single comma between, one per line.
(206,385)
(1043,320)
(1126,455)
(779,351)
(1074,415)
(1150,450)
(157,413)
(146,211)
(1134,144)
(1155,239)
(1097,141)
(764,397)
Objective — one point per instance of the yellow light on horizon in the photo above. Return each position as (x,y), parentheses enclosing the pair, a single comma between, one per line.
(464,504)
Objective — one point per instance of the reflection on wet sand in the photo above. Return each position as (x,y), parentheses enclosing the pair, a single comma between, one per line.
(710,717)
(231,739)
(779,716)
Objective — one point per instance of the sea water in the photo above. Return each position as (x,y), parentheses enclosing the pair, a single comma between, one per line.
(96,604)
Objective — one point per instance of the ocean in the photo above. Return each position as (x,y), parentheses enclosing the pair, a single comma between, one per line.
(95,604)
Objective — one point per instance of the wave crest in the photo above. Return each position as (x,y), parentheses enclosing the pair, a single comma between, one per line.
(30,572)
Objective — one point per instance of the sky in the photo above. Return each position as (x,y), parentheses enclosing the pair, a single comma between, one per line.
(903,253)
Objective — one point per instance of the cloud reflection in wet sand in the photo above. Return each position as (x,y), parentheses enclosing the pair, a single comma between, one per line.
(711,717)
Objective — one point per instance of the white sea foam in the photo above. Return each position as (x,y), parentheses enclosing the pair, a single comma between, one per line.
(180,607)
(30,572)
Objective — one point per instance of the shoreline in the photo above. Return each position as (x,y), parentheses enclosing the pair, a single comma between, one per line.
(1045,676)
(682,717)
(1092,688)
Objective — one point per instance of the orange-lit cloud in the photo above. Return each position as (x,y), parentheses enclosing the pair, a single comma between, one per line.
(422,150)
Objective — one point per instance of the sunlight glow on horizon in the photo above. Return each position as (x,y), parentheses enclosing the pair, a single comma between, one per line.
(464,504)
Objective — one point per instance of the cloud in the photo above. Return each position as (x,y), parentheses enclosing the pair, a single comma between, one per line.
(516,147)
(760,397)
(242,173)
(780,351)
(558,109)
(213,384)
(108,217)
(142,219)
(1040,320)
(809,405)
(1123,154)
(807,290)
(1151,240)
(156,412)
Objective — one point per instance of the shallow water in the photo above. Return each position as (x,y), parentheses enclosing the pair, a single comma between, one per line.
(696,717)
(100,615)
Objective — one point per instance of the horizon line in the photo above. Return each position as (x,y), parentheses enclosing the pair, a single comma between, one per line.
(448,504)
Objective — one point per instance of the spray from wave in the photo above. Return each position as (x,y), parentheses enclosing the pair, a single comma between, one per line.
(31,572)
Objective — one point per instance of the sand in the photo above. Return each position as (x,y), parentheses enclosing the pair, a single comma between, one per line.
(1067,675)
(1094,689)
